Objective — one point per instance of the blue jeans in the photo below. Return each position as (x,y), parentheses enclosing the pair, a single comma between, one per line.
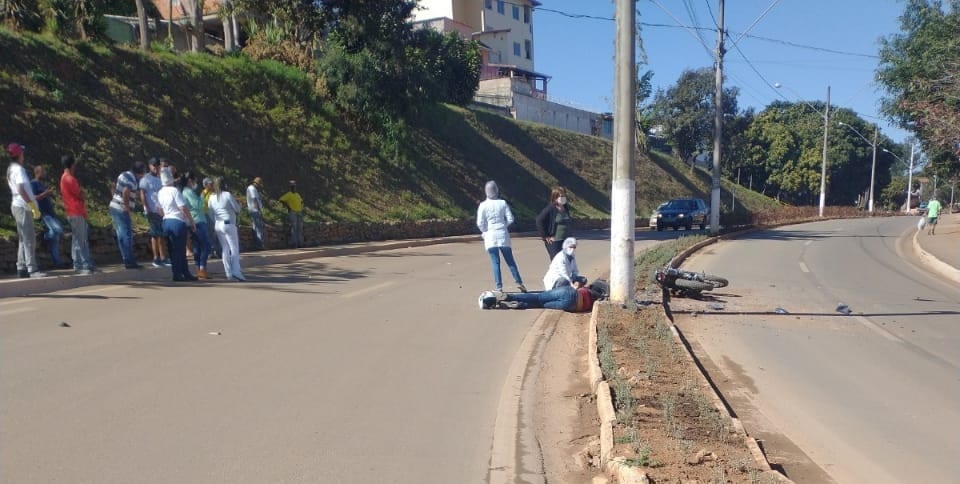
(507,252)
(259,235)
(176,233)
(80,246)
(124,230)
(52,235)
(564,297)
(201,245)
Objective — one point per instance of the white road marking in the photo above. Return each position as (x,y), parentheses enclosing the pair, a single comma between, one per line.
(877,329)
(368,289)
(803,267)
(808,242)
(16,310)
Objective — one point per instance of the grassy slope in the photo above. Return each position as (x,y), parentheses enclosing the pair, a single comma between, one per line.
(111,106)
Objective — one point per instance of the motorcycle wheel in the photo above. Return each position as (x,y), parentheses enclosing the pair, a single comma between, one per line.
(717,281)
(686,284)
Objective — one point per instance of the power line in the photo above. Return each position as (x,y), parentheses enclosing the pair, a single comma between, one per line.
(755,22)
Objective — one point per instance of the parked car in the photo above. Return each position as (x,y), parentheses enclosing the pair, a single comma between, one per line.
(683,212)
(653,215)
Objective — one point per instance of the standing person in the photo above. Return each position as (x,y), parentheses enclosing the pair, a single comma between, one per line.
(933,214)
(563,269)
(23,206)
(294,203)
(149,189)
(121,205)
(75,205)
(224,209)
(493,218)
(255,209)
(54,229)
(208,217)
(554,222)
(176,222)
(201,242)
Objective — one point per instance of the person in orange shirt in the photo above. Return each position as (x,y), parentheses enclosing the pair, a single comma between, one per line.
(75,205)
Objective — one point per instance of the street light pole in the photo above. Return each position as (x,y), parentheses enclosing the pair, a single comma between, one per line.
(873,166)
(910,180)
(823,168)
(717,129)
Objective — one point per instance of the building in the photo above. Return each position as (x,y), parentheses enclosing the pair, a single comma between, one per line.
(509,81)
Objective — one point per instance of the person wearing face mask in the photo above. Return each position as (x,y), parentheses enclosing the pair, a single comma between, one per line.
(563,269)
(554,222)
(493,218)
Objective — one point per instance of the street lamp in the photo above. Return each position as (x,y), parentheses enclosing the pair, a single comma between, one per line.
(873,166)
(909,174)
(823,167)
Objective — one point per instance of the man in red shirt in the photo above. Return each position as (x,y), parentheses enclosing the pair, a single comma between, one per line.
(75,206)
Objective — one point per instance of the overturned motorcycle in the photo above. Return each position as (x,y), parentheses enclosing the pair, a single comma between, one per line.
(678,282)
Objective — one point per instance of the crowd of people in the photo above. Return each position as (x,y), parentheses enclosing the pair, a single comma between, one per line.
(563,286)
(179,212)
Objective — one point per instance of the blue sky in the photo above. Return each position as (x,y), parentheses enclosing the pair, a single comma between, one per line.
(578,52)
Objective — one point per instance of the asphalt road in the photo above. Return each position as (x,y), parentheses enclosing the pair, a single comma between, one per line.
(376,367)
(873,396)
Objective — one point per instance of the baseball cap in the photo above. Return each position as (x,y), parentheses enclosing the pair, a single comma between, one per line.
(154,161)
(15,149)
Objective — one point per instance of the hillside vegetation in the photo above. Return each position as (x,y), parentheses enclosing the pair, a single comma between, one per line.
(240,118)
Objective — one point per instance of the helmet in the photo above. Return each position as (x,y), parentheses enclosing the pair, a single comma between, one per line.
(488,300)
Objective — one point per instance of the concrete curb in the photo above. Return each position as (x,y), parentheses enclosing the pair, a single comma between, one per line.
(593,366)
(951,273)
(601,389)
(117,274)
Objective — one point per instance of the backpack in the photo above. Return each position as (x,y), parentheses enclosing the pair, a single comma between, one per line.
(599,289)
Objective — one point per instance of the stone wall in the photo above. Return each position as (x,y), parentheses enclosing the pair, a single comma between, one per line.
(104,250)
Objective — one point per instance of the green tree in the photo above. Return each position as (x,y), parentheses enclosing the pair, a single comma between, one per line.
(920,71)
(685,111)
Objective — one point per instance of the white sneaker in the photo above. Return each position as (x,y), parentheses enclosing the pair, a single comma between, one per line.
(38,274)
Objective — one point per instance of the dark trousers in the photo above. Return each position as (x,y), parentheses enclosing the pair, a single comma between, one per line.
(553,248)
(175,231)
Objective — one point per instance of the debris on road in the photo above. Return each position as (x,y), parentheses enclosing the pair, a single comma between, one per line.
(64,324)
(716,307)
(780,310)
(844,309)
(214,333)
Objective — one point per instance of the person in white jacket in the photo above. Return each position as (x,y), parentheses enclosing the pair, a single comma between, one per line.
(563,268)
(493,218)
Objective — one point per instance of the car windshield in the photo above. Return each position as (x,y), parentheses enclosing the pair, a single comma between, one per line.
(681,205)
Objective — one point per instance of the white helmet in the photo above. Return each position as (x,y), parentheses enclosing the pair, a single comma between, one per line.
(488,299)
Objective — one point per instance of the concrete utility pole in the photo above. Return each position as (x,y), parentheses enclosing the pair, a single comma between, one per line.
(873,166)
(910,180)
(823,169)
(623,202)
(717,130)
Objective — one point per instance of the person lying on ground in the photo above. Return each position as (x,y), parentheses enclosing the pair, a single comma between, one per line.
(574,298)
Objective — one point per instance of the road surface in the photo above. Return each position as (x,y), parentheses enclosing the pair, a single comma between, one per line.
(376,367)
(873,396)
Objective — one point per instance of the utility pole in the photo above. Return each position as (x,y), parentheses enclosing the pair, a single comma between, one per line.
(910,180)
(623,193)
(823,168)
(733,208)
(873,167)
(717,129)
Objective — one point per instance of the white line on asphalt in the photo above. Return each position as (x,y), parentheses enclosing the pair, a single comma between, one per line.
(808,242)
(368,289)
(16,310)
(877,329)
(803,267)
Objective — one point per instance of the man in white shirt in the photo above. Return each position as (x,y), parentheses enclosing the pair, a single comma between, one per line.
(255,209)
(149,188)
(23,206)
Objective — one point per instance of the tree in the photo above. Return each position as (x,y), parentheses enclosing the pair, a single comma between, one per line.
(919,70)
(197,35)
(144,29)
(685,111)
(644,119)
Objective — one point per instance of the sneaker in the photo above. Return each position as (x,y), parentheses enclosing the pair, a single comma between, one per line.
(166,262)
(521,288)
(157,263)
(239,278)
(133,266)
(509,305)
(84,272)
(500,296)
(23,274)
(202,274)
(37,274)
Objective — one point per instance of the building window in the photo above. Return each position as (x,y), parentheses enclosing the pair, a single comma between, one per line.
(516,49)
(488,4)
(500,6)
(516,12)
(527,48)
(526,14)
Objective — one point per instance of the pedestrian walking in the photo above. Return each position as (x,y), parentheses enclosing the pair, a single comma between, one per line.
(554,222)
(24,208)
(121,205)
(294,203)
(255,210)
(493,219)
(149,189)
(933,215)
(53,229)
(225,208)
(177,221)
(74,203)
(208,217)
(201,241)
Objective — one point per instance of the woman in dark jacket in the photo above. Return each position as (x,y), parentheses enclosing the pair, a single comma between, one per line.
(554,222)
